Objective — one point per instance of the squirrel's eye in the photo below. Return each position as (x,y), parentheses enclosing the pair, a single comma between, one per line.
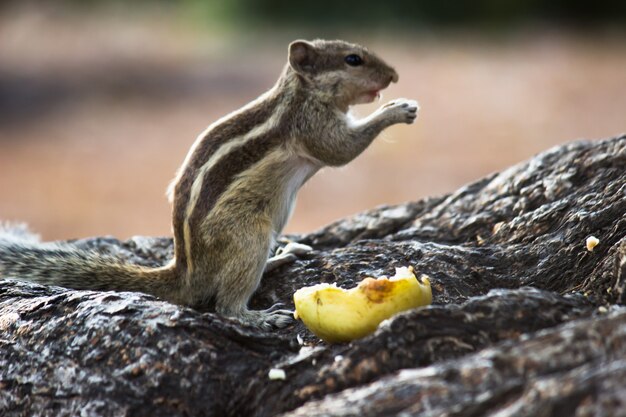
(353,60)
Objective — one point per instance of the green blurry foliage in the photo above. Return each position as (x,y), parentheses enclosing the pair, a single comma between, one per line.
(356,13)
(439,12)
(409,12)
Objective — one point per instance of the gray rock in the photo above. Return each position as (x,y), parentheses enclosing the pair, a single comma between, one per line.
(525,321)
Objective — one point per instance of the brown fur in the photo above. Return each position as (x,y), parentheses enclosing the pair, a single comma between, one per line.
(235,191)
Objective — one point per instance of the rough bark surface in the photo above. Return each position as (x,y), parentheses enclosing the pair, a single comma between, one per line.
(526,321)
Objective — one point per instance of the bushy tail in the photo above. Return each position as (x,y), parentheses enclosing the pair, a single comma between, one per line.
(61,264)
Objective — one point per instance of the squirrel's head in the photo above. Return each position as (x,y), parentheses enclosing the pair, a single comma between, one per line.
(340,71)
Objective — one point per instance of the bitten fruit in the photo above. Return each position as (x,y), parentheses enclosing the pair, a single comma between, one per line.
(338,315)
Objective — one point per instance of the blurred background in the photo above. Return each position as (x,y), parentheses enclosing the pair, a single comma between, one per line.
(100,100)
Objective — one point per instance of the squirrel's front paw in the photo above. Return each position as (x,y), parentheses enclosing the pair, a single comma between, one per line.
(401,110)
(287,254)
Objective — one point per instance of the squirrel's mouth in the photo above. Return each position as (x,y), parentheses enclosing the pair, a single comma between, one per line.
(372,95)
(367,96)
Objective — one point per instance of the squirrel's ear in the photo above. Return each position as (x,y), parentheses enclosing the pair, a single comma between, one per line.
(302,56)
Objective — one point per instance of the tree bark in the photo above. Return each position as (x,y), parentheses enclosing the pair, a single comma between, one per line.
(525,320)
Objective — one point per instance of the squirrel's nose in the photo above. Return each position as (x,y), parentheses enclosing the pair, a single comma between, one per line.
(393,78)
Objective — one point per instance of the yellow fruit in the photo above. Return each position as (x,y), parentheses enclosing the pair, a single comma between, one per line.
(338,315)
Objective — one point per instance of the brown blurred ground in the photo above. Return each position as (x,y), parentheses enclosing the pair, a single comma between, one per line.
(96,114)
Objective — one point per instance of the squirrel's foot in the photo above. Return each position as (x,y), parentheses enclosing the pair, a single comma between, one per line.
(273,317)
(401,110)
(287,255)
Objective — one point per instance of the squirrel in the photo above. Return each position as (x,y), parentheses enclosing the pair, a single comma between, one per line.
(236,188)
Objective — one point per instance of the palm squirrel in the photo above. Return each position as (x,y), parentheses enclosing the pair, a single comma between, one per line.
(236,188)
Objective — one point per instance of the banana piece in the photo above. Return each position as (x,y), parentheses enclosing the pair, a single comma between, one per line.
(338,315)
